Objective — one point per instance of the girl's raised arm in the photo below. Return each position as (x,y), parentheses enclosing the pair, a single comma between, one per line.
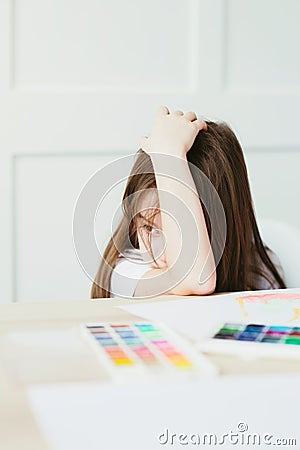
(190,266)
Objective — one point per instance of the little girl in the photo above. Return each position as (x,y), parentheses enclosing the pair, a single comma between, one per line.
(164,243)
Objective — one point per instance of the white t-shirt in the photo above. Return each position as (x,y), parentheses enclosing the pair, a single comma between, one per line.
(131,267)
(128,271)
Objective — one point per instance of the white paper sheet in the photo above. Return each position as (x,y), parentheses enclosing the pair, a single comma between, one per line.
(198,317)
(48,355)
(103,416)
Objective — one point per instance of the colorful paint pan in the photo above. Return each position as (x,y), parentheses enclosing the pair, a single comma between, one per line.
(259,333)
(143,348)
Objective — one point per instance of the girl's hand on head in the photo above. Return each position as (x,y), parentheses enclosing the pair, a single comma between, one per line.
(172,133)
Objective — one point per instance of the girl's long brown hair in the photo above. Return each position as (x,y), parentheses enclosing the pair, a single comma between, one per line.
(218,154)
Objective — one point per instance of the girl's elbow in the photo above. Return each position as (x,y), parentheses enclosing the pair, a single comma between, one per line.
(209,290)
(192,286)
(206,288)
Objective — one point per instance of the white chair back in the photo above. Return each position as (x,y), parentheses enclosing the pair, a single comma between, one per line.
(284,240)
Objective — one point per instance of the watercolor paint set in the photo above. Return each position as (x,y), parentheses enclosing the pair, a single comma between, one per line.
(254,340)
(138,350)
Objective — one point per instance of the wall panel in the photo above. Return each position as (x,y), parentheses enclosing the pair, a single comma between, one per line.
(262,44)
(274,178)
(46,191)
(116,45)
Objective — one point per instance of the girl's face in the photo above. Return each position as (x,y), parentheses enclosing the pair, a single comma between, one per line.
(150,235)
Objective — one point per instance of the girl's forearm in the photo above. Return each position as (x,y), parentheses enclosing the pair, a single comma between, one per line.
(187,240)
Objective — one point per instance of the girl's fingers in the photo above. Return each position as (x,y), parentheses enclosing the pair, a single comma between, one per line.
(201,125)
(163,111)
(191,116)
(178,113)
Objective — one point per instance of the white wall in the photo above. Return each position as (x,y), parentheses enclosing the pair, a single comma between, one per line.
(80,81)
